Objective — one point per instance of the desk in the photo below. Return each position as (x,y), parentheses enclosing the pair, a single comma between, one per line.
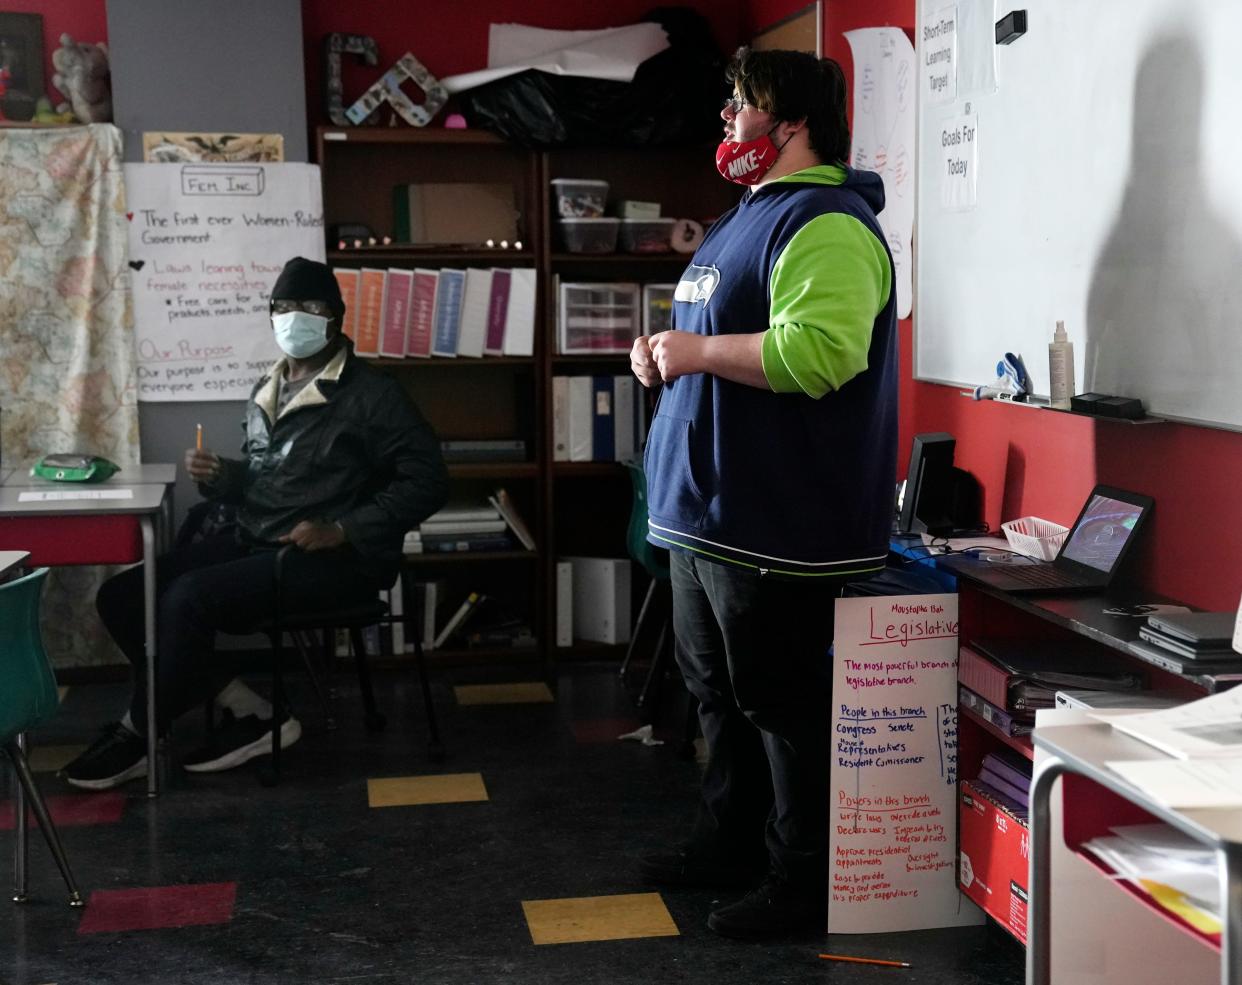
(10,560)
(1083,750)
(94,531)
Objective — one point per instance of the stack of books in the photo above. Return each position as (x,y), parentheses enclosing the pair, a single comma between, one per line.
(397,313)
(472,527)
(1190,642)
(598,418)
(1006,779)
(1007,681)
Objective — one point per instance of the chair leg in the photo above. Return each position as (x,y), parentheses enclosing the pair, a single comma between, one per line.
(638,628)
(271,776)
(21,841)
(305,651)
(26,779)
(328,654)
(376,722)
(435,749)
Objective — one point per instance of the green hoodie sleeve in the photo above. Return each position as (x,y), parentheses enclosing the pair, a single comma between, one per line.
(827,286)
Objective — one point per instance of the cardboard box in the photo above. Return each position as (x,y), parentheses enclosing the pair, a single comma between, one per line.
(454,213)
(994,865)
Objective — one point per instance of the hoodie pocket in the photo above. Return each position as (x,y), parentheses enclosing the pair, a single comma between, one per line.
(673,493)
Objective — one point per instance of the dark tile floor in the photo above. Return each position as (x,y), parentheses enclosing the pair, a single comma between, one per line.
(307,883)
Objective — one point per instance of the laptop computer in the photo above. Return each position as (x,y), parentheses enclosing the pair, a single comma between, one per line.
(1092,554)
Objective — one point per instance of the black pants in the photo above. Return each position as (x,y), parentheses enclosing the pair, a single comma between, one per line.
(216,584)
(754,651)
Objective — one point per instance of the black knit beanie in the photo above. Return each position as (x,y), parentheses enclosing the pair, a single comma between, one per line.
(309,280)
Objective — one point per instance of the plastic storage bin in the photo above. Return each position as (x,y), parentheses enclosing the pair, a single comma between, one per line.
(1035,537)
(598,318)
(647,235)
(580,198)
(585,235)
(657,307)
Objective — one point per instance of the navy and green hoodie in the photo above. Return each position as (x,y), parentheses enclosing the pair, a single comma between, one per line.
(797,480)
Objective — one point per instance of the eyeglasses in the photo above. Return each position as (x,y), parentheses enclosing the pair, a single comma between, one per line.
(282,306)
(735,104)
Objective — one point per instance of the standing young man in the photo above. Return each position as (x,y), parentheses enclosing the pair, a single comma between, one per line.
(770,467)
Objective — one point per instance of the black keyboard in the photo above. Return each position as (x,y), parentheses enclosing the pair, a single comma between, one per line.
(1042,576)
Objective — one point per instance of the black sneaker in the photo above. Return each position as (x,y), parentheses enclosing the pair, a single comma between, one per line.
(690,867)
(116,756)
(239,740)
(774,909)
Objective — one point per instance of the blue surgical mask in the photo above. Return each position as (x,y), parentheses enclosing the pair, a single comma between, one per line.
(299,334)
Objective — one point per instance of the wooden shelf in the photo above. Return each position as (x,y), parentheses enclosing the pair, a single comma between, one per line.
(582,470)
(434,256)
(590,357)
(408,135)
(646,259)
(469,557)
(493,470)
(450,362)
(1018,743)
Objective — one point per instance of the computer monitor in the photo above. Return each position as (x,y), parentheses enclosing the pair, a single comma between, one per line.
(926,503)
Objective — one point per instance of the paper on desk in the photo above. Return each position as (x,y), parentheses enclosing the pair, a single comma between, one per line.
(610,54)
(59,495)
(967,543)
(1208,728)
(1185,783)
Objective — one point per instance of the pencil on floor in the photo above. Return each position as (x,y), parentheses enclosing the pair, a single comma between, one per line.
(198,437)
(879,961)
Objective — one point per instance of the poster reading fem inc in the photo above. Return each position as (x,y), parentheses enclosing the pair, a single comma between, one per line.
(206,242)
(893,815)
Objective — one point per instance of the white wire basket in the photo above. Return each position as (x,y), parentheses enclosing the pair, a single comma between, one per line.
(1035,537)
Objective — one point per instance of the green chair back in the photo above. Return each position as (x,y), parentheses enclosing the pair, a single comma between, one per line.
(27,687)
(653,558)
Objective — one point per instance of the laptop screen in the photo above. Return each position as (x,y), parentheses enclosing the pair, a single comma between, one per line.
(1102,531)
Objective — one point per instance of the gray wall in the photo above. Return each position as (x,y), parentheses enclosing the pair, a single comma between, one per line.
(211,67)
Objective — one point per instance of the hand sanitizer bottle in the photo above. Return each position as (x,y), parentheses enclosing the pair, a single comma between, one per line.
(1060,369)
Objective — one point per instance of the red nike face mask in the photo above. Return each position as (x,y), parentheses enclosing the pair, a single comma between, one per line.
(748,161)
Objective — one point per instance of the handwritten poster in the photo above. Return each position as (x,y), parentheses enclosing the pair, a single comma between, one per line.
(206,242)
(894,767)
(938,48)
(959,162)
(884,105)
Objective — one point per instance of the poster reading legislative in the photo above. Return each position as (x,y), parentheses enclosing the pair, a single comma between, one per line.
(959,162)
(884,104)
(893,815)
(938,54)
(206,242)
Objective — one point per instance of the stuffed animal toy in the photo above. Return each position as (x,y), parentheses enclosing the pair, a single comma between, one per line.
(82,74)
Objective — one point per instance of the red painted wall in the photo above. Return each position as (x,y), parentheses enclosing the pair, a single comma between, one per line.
(83,20)
(1039,462)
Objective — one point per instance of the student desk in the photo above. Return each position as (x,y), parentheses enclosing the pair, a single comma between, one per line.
(1082,750)
(94,531)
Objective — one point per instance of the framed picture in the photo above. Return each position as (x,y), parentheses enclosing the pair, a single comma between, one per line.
(21,57)
(159,147)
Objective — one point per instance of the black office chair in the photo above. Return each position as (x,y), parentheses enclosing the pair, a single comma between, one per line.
(207,518)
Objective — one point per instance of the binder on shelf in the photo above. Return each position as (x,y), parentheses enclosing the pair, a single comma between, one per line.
(347,279)
(497,312)
(456,512)
(504,505)
(458,618)
(370,310)
(395,315)
(603,423)
(601,590)
(625,413)
(422,313)
(520,317)
(560,418)
(581,416)
(978,674)
(448,312)
(1013,724)
(564,603)
(475,304)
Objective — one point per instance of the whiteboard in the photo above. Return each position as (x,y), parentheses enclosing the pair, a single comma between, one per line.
(206,243)
(1105,193)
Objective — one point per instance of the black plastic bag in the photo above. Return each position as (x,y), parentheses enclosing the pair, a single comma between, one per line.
(675,97)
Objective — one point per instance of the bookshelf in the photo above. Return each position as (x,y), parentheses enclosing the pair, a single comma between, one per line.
(573,508)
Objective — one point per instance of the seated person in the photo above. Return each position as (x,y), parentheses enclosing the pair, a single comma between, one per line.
(338,462)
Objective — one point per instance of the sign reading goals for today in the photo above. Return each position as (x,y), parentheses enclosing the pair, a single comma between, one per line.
(893,816)
(206,243)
